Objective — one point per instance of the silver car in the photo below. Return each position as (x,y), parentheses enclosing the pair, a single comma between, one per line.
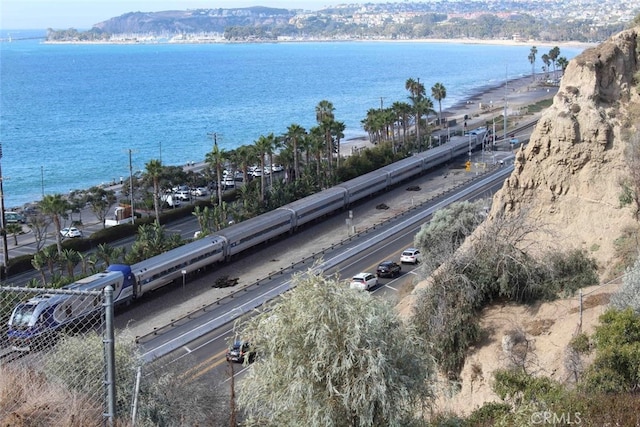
(410,256)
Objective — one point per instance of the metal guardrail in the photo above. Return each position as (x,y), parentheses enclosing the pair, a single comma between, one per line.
(229,316)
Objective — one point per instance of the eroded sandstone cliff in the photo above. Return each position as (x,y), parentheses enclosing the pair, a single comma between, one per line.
(568,180)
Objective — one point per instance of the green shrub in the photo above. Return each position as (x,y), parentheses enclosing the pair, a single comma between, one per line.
(616,367)
(519,387)
(580,343)
(488,414)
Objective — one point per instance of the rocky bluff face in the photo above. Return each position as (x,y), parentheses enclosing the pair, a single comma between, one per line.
(567,180)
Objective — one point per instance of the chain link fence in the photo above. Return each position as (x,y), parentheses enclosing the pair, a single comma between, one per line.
(56,357)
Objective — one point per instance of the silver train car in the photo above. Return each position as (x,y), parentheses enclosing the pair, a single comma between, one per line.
(48,313)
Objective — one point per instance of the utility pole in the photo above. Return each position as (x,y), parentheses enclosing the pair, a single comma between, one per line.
(133,216)
(3,231)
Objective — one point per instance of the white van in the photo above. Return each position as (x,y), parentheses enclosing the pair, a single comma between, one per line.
(173,202)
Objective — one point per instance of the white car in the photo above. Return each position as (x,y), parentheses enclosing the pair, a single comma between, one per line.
(183,195)
(363,281)
(410,256)
(199,191)
(70,232)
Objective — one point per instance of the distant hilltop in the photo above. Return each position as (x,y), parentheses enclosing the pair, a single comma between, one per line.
(585,21)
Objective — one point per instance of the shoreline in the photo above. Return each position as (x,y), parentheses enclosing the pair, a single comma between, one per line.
(134,40)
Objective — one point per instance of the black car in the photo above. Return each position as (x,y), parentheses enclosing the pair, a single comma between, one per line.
(239,351)
(388,269)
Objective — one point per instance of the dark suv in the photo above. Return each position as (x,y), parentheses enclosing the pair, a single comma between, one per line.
(388,269)
(239,351)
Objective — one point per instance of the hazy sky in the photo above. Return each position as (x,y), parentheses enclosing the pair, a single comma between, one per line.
(83,14)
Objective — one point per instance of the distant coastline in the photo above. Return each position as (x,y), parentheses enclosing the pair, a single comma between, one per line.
(199,39)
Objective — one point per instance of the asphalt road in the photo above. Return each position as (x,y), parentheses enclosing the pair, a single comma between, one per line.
(203,357)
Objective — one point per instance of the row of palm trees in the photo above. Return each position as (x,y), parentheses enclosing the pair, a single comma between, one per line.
(551,58)
(393,123)
(302,153)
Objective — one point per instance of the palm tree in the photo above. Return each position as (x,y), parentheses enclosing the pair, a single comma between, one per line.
(416,95)
(245,154)
(275,144)
(39,263)
(325,117)
(337,130)
(402,111)
(215,160)
(316,146)
(554,53)
(562,63)
(50,258)
(374,125)
(547,62)
(108,254)
(263,146)
(69,259)
(14,230)
(439,92)
(532,60)
(294,135)
(154,171)
(55,207)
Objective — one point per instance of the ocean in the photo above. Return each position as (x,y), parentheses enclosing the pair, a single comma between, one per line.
(72,114)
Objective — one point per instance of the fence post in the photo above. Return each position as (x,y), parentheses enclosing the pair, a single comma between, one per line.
(580,324)
(109,352)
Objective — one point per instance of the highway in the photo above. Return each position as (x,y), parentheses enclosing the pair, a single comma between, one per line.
(200,342)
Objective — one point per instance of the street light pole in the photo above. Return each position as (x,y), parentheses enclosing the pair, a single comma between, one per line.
(506,83)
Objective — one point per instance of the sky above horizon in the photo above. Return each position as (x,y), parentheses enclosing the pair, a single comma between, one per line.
(83,14)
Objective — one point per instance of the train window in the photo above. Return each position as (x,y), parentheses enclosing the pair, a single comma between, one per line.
(22,315)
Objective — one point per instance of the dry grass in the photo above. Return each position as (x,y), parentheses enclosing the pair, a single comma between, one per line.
(593,301)
(28,399)
(539,326)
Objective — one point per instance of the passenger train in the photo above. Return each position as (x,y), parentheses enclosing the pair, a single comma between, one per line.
(48,313)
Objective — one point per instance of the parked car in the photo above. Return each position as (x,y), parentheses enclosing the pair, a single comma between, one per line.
(277,168)
(180,188)
(410,256)
(239,351)
(388,269)
(228,182)
(199,191)
(183,195)
(363,281)
(14,218)
(70,232)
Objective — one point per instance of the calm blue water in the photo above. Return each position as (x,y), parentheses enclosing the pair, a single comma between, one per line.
(71,113)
